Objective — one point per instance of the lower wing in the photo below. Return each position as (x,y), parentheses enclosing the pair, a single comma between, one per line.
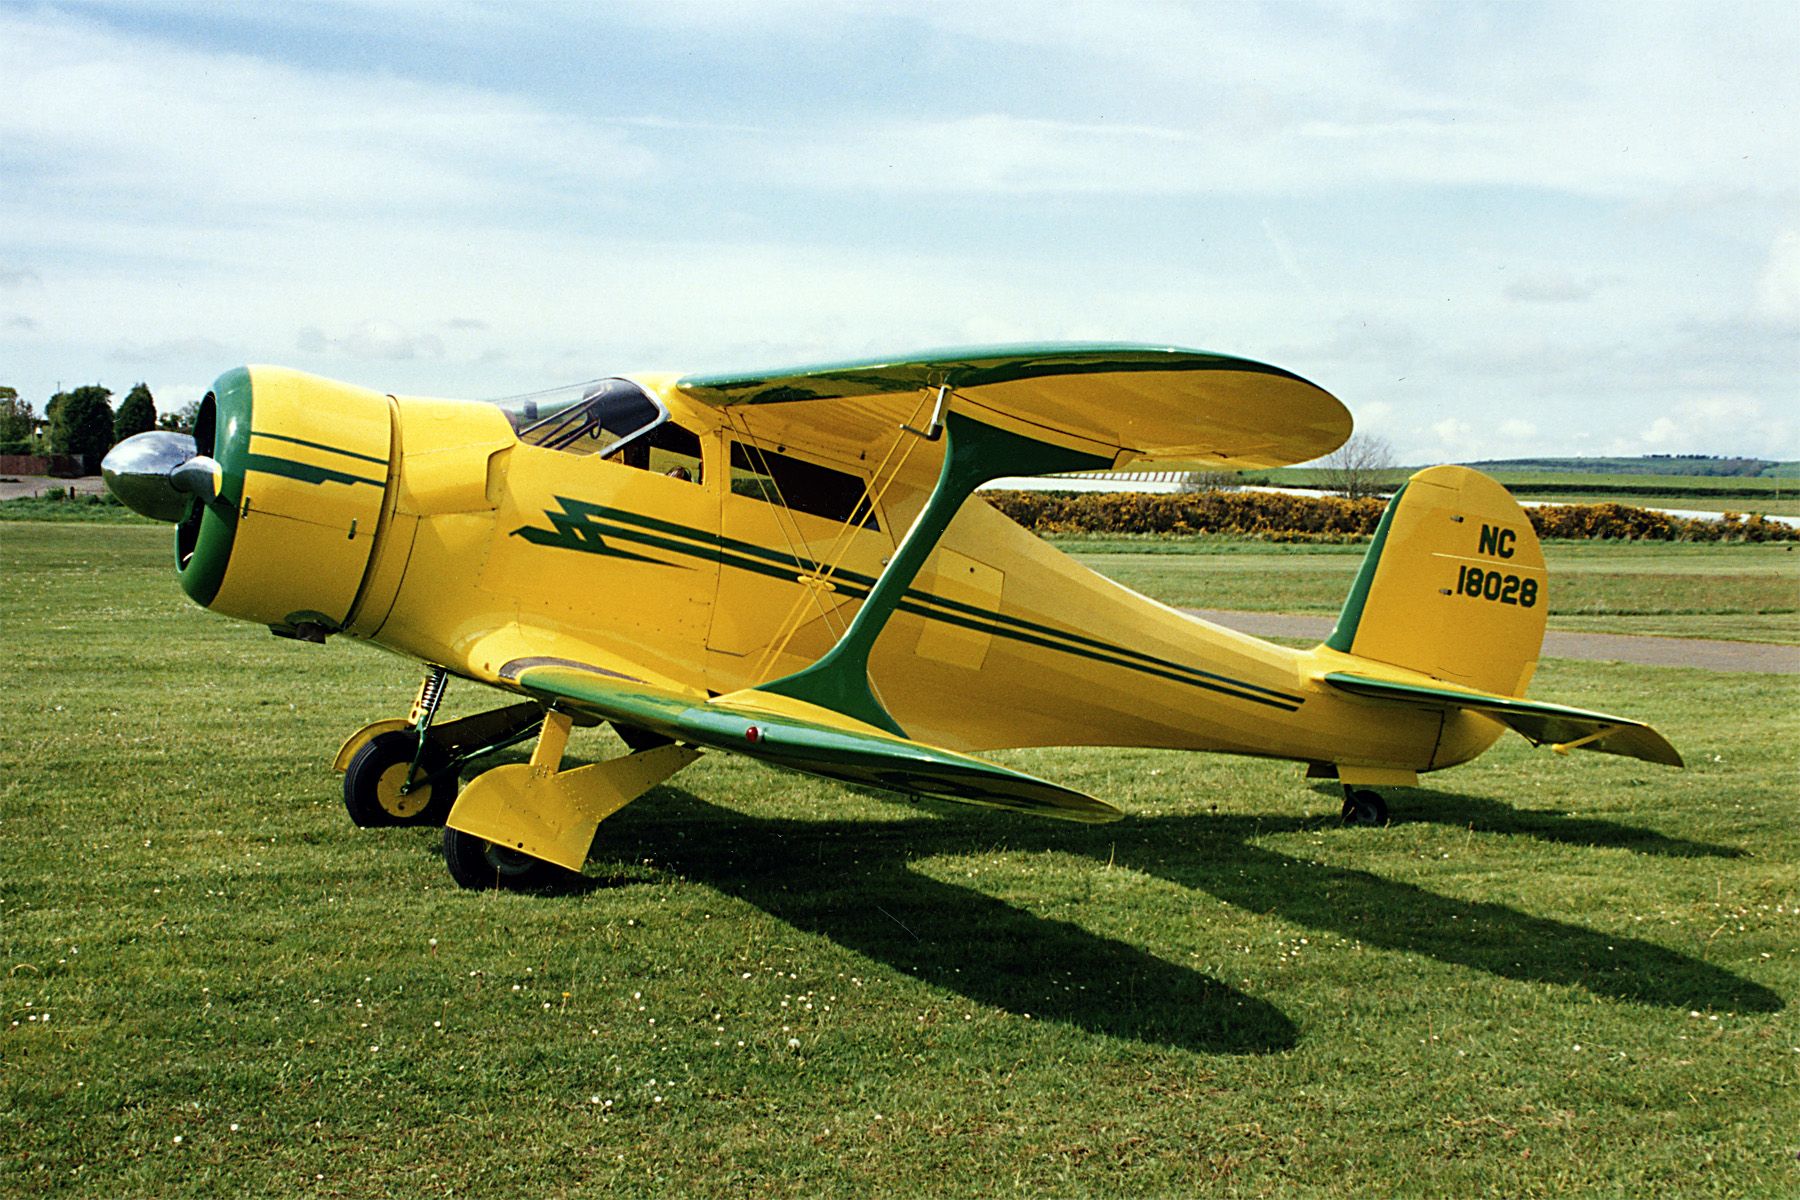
(805,737)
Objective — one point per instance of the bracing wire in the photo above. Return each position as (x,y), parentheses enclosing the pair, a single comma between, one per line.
(822,571)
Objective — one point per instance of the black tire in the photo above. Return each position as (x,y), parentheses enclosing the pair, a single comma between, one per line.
(372,784)
(480,865)
(1364,808)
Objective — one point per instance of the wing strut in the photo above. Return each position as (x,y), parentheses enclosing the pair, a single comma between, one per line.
(824,568)
(975,453)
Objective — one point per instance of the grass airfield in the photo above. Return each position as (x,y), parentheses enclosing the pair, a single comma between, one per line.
(1548,976)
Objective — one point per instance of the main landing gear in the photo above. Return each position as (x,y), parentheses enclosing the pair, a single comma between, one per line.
(1363,807)
(477,864)
(517,826)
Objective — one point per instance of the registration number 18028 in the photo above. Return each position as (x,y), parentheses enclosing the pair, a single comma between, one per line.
(1498,586)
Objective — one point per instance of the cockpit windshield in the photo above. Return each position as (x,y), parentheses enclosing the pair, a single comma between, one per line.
(609,414)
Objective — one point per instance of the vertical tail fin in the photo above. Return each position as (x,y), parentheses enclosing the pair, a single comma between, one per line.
(1453,585)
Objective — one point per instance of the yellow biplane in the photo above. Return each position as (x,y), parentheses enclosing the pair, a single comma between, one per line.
(793,566)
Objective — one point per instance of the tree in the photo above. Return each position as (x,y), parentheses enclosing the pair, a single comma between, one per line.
(1360,467)
(16,423)
(81,423)
(182,419)
(136,414)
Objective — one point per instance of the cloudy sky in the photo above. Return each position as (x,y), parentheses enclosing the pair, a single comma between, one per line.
(1492,229)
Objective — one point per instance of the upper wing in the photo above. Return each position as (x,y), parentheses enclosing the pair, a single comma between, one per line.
(804,737)
(1563,728)
(1128,402)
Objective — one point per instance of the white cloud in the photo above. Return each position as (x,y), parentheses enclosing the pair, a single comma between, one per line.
(1778,289)
(172,350)
(1291,100)
(1465,439)
(1284,254)
(100,118)
(1723,424)
(1550,289)
(173,397)
(370,341)
(1452,433)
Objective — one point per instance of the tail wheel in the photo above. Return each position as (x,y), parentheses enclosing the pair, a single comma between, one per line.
(480,865)
(375,777)
(1363,807)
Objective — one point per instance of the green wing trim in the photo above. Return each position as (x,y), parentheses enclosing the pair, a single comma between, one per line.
(1150,403)
(1540,724)
(863,756)
(959,367)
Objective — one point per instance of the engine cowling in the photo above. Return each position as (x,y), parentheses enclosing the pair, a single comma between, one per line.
(304,466)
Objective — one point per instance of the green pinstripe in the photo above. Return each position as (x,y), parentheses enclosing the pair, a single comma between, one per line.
(269,464)
(577,517)
(294,441)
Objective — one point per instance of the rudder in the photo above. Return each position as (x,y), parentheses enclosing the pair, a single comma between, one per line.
(1453,585)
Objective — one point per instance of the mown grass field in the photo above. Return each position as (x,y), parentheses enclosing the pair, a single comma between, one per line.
(94,508)
(1547,977)
(1741,592)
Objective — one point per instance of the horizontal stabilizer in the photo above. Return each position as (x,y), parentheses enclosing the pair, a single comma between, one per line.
(1540,724)
(804,737)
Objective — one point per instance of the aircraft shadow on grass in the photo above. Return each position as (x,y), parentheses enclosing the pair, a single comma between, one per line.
(853,882)
(1483,815)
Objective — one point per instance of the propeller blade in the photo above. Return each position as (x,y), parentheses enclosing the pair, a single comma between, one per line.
(199,476)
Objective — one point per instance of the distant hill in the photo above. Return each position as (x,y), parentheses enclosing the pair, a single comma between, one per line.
(1644,464)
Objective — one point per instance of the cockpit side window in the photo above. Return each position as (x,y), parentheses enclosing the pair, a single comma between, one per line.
(615,412)
(673,451)
(800,485)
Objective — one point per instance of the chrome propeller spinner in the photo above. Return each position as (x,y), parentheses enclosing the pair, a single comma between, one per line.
(159,475)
